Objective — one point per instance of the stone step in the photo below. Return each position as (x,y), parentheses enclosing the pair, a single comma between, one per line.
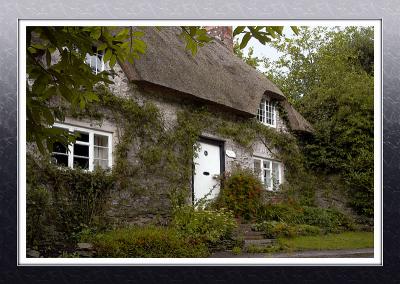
(252,233)
(254,237)
(259,242)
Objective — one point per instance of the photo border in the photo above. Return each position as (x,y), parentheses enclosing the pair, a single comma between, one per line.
(387,11)
(378,256)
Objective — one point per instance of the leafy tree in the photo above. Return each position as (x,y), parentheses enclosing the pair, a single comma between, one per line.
(58,77)
(250,59)
(328,75)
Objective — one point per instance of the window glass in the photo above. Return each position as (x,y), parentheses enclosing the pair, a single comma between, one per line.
(84,137)
(59,148)
(269,172)
(275,175)
(266,112)
(81,150)
(60,159)
(101,163)
(95,62)
(257,167)
(88,151)
(100,140)
(81,162)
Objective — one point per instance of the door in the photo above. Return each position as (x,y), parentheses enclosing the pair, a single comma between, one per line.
(207,166)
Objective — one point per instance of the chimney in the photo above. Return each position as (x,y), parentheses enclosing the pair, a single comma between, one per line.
(224,34)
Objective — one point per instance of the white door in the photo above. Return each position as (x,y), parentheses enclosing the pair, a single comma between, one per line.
(207,165)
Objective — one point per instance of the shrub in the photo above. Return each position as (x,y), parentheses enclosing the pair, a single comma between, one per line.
(38,215)
(147,242)
(331,220)
(62,201)
(209,226)
(241,193)
(273,229)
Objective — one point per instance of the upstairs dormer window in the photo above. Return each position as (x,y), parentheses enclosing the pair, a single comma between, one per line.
(266,113)
(95,62)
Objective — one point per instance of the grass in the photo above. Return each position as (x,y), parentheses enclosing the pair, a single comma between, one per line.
(346,240)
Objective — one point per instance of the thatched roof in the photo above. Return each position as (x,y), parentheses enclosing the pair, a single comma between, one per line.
(214,74)
(296,120)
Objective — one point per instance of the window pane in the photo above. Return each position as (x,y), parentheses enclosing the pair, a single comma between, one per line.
(101,163)
(266,164)
(257,167)
(100,153)
(59,148)
(81,150)
(100,140)
(267,178)
(84,137)
(275,175)
(61,160)
(81,162)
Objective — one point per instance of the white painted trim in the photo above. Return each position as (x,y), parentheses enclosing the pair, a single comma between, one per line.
(91,133)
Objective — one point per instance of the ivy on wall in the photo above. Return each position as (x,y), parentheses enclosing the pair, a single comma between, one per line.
(149,150)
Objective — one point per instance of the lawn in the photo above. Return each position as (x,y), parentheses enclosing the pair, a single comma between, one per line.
(346,240)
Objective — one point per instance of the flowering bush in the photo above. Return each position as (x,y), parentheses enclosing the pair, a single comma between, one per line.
(241,193)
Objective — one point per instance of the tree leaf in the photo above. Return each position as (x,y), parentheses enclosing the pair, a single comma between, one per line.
(113,60)
(238,30)
(245,40)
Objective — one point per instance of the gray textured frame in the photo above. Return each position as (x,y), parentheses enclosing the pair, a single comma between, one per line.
(388,11)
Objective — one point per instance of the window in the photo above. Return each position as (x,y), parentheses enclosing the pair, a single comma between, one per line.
(267,113)
(270,173)
(92,148)
(95,62)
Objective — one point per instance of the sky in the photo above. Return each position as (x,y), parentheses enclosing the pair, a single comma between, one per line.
(266,50)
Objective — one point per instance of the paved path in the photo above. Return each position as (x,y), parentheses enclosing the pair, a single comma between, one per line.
(353,253)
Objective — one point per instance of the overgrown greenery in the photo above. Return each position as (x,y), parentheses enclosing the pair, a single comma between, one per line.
(327,74)
(274,229)
(212,227)
(241,193)
(330,220)
(63,202)
(147,242)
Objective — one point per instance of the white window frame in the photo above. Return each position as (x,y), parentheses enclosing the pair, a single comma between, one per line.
(97,69)
(266,105)
(261,171)
(91,133)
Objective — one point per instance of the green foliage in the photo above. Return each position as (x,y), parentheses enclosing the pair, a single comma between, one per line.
(62,201)
(263,34)
(241,193)
(209,226)
(38,206)
(250,59)
(328,76)
(237,250)
(330,220)
(147,242)
(345,240)
(274,229)
(195,37)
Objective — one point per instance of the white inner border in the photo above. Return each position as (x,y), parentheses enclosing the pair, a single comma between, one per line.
(378,183)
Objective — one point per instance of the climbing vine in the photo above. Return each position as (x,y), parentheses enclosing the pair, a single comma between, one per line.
(152,154)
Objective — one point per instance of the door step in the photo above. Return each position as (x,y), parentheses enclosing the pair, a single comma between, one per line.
(259,242)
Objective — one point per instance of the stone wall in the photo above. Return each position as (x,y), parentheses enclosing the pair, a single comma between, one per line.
(148,201)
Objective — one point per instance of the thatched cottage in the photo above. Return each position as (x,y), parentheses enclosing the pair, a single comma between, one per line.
(172,80)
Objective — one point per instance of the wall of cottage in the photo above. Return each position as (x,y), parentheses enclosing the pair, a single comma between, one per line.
(148,199)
